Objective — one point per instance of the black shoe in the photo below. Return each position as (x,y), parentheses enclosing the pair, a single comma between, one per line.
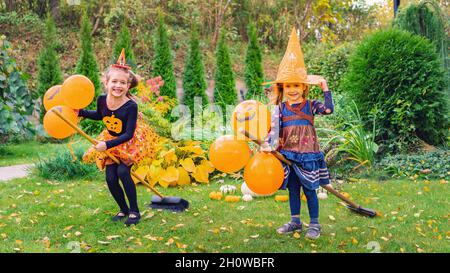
(133,220)
(119,217)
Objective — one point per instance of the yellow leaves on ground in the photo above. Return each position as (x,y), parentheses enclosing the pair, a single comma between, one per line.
(196,150)
(201,174)
(154,174)
(183,178)
(169,156)
(346,195)
(188,164)
(178,163)
(169,176)
(141,172)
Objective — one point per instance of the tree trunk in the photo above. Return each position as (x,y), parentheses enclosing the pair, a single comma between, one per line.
(41,8)
(10,5)
(304,21)
(218,22)
(97,20)
(54,8)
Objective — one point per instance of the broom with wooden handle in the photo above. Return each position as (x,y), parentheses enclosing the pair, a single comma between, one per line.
(350,204)
(159,201)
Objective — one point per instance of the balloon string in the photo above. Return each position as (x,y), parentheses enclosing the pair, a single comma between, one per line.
(72,152)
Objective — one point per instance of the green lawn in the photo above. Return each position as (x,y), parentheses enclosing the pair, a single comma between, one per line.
(48,216)
(30,151)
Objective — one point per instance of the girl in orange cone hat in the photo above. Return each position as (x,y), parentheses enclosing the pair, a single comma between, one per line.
(296,138)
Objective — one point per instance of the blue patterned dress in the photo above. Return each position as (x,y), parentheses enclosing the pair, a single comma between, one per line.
(298,140)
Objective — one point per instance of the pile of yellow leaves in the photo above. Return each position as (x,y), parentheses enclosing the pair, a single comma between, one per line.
(177,163)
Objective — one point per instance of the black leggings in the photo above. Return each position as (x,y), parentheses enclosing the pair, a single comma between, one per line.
(122,171)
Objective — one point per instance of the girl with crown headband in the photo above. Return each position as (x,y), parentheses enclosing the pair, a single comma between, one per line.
(295,135)
(126,136)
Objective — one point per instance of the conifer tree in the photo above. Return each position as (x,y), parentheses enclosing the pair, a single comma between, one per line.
(225,86)
(124,41)
(427,19)
(253,66)
(163,60)
(49,70)
(194,84)
(87,64)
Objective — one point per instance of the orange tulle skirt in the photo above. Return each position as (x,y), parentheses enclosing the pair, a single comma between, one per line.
(142,145)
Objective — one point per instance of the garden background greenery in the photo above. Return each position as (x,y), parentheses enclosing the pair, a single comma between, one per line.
(386,144)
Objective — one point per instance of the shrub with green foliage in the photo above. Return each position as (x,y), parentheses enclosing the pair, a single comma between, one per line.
(87,65)
(428,165)
(225,86)
(163,60)
(49,70)
(329,61)
(349,137)
(124,41)
(397,77)
(253,66)
(16,103)
(28,19)
(194,84)
(63,166)
(428,20)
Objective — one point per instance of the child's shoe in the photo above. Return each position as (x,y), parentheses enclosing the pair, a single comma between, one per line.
(119,216)
(290,227)
(313,231)
(133,220)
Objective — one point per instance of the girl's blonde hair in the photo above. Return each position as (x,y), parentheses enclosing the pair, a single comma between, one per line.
(132,78)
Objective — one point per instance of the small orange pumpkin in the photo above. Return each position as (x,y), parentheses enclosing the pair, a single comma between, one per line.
(232,198)
(113,124)
(215,195)
(281,198)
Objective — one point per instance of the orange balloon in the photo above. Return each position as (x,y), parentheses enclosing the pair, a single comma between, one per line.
(253,117)
(55,126)
(53,97)
(228,154)
(264,173)
(77,91)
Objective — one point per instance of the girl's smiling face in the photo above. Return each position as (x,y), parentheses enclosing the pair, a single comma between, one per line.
(117,83)
(294,92)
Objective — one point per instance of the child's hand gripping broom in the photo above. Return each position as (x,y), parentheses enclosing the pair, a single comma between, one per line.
(158,201)
(350,204)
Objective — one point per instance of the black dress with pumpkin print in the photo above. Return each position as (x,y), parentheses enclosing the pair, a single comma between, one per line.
(120,122)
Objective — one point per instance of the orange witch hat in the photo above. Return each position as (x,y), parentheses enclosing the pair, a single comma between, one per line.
(292,68)
(121,61)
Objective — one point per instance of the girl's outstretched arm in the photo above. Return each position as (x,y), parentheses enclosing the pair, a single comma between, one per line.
(92,114)
(319,108)
(325,108)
